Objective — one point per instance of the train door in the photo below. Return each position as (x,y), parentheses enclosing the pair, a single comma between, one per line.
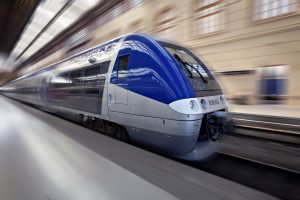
(44,91)
(117,91)
(121,88)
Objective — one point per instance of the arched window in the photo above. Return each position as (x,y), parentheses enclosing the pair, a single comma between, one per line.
(166,24)
(208,17)
(264,9)
(137,26)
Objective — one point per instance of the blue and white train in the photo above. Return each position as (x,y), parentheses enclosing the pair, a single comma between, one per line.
(135,88)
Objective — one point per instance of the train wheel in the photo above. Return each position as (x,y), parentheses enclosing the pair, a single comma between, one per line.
(121,134)
(118,133)
(125,136)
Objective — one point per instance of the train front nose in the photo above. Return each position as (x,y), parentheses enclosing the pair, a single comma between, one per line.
(216,119)
(214,125)
(218,123)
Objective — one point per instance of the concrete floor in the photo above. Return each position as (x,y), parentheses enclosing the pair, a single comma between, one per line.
(46,157)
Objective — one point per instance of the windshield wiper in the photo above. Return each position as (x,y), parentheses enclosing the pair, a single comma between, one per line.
(202,77)
(182,63)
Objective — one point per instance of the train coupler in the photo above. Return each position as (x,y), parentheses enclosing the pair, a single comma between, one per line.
(218,124)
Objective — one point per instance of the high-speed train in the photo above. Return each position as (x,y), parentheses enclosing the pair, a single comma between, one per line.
(135,88)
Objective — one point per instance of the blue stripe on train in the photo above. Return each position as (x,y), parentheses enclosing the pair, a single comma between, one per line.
(152,72)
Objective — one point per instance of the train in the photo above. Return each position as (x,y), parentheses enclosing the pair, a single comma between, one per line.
(135,88)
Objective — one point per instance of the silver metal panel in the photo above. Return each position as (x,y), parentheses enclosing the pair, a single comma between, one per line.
(175,145)
(144,106)
(160,125)
(105,99)
(110,89)
(213,103)
(121,95)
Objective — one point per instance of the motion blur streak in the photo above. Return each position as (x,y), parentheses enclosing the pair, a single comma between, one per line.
(57,165)
(2,59)
(250,47)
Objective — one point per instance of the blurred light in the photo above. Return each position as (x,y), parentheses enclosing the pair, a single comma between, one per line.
(42,16)
(2,59)
(203,104)
(47,10)
(59,80)
(3,66)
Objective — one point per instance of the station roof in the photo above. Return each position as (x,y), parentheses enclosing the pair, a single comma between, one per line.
(31,24)
(14,15)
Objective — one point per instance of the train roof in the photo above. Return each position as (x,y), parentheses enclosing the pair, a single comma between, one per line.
(117,39)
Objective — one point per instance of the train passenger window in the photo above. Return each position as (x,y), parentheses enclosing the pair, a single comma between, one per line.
(75,77)
(60,81)
(122,66)
(104,67)
(64,77)
(91,80)
(75,82)
(92,74)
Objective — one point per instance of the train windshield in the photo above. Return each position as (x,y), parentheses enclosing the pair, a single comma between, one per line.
(198,75)
(190,66)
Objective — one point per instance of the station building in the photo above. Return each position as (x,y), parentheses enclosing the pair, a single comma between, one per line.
(252,46)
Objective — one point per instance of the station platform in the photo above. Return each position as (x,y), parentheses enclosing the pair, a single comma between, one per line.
(267,110)
(262,131)
(46,157)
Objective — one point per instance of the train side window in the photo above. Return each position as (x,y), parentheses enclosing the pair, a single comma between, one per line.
(104,67)
(92,74)
(65,77)
(60,81)
(75,77)
(91,80)
(75,82)
(123,66)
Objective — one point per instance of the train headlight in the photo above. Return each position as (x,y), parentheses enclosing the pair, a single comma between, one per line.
(192,104)
(186,106)
(203,104)
(222,100)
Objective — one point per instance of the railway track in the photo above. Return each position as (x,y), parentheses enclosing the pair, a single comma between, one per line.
(259,162)
(255,168)
(276,180)
(279,182)
(279,129)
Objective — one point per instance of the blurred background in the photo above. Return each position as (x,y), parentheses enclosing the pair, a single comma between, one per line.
(252,46)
